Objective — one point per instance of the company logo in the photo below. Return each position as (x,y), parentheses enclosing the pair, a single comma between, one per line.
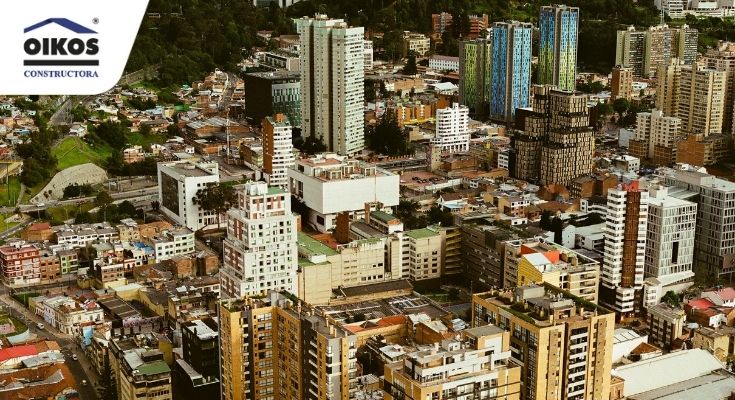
(66,47)
(76,49)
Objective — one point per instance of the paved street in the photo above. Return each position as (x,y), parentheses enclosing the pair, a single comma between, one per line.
(81,369)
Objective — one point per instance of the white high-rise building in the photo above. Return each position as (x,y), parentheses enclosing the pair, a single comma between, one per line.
(260,252)
(625,249)
(331,57)
(670,240)
(178,184)
(656,137)
(278,154)
(452,129)
(701,104)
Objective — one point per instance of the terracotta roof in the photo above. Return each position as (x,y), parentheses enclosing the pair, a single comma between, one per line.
(452,196)
(726,294)
(40,226)
(699,304)
(46,385)
(17,351)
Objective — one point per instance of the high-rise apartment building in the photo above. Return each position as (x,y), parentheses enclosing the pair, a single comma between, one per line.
(625,249)
(474,365)
(714,240)
(667,92)
(631,50)
(644,51)
(510,86)
(452,129)
(441,22)
(564,346)
(656,137)
(701,103)
(275,347)
(278,154)
(670,239)
(557,64)
(475,66)
(332,90)
(260,248)
(722,58)
(621,85)
(557,143)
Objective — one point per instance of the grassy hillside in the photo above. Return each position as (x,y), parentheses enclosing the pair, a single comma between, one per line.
(74,151)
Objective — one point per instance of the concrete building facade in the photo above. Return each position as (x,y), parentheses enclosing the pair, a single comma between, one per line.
(260,249)
(332,91)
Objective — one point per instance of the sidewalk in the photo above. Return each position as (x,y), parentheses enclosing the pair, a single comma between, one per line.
(34,319)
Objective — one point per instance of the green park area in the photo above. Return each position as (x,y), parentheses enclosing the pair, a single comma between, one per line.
(74,151)
(19,326)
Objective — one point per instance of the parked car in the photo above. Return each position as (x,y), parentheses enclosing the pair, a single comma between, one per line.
(74,357)
(40,325)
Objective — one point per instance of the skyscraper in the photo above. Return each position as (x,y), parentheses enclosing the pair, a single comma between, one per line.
(562,343)
(274,347)
(511,69)
(625,249)
(645,51)
(558,46)
(332,74)
(277,150)
(260,251)
(701,103)
(556,144)
(475,61)
(621,85)
(722,58)
(670,240)
(714,241)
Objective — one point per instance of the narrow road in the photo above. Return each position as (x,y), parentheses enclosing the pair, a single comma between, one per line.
(81,369)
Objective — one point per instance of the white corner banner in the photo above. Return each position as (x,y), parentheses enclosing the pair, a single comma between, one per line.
(69,47)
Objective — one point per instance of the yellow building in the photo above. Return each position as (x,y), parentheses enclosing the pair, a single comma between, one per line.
(476,366)
(541,262)
(562,343)
(275,347)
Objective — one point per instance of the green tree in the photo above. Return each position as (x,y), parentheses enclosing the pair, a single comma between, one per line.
(108,384)
(621,105)
(104,202)
(312,145)
(216,198)
(387,138)
(557,226)
(410,67)
(671,298)
(144,129)
(437,215)
(545,223)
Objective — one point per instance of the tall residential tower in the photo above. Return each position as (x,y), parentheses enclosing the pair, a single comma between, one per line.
(260,251)
(511,69)
(332,74)
(558,46)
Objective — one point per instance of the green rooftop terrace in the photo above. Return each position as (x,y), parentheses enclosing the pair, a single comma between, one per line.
(422,233)
(314,246)
(154,368)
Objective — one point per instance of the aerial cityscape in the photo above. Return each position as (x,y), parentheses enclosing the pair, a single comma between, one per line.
(380,199)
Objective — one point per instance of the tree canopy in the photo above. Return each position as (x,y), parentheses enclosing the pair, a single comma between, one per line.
(217,198)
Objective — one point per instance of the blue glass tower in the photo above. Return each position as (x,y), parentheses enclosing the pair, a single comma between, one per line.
(557,61)
(511,69)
